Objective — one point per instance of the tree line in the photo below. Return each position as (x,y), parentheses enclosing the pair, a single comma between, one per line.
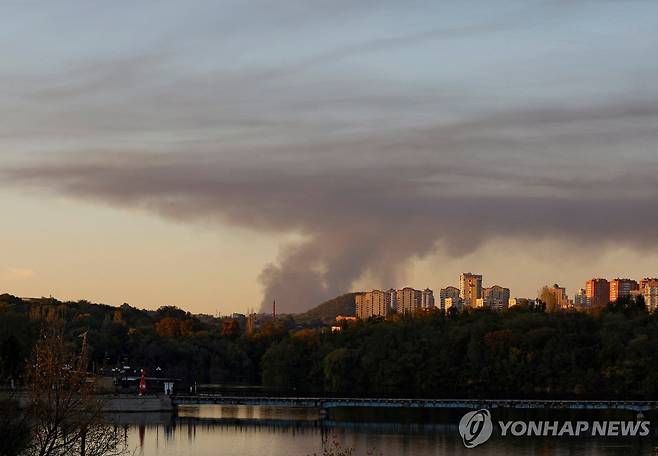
(525,351)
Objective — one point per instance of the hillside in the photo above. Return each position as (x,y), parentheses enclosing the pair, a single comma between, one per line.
(327,311)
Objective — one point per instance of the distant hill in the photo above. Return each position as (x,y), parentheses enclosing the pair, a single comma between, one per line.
(327,311)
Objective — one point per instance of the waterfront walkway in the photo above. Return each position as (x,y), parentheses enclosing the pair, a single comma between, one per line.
(325,403)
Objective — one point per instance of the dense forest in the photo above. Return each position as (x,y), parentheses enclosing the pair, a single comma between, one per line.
(525,351)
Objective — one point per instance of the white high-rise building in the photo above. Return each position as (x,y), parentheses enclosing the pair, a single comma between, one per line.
(470,288)
(409,300)
(375,303)
(448,292)
(496,297)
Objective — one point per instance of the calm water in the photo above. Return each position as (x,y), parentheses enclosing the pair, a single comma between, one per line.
(266,431)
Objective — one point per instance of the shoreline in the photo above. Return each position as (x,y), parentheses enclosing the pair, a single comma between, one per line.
(114,403)
(128,403)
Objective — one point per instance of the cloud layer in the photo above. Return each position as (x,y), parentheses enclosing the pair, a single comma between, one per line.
(374,145)
(359,214)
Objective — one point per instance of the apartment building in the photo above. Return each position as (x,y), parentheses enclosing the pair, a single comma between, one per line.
(598,292)
(470,288)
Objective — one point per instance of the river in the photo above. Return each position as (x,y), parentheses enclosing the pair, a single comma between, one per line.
(267,431)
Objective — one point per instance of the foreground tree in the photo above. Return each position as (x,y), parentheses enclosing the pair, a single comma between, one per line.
(65,415)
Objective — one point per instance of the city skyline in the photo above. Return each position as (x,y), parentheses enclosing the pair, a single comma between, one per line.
(471,293)
(211,155)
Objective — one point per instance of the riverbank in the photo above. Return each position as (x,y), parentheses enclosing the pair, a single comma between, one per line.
(119,403)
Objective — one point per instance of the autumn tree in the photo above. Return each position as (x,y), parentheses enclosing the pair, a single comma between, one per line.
(65,415)
(230,328)
(174,327)
(168,327)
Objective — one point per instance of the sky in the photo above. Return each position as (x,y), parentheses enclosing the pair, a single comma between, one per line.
(219,155)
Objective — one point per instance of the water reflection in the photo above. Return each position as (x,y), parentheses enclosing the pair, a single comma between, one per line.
(246,430)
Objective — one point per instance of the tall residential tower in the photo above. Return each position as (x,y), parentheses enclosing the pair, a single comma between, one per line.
(470,288)
(598,292)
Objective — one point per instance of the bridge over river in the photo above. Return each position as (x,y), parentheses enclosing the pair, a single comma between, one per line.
(325,403)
